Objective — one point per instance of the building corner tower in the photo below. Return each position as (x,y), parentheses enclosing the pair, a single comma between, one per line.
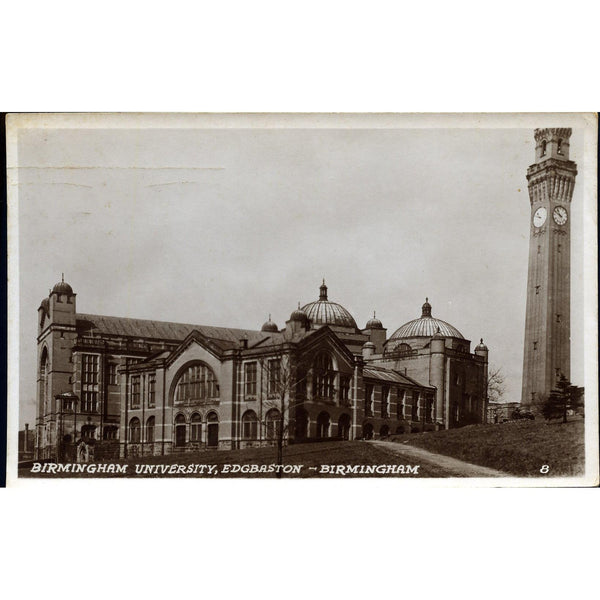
(547,323)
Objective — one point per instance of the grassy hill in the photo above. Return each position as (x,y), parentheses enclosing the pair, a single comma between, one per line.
(519,448)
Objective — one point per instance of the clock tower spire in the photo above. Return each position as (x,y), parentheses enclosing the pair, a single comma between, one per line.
(547,352)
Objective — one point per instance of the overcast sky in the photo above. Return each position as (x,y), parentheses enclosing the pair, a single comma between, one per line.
(222,226)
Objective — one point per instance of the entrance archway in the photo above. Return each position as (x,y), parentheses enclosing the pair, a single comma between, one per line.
(301,425)
(323,422)
(384,431)
(368,431)
(212,430)
(180,427)
(344,426)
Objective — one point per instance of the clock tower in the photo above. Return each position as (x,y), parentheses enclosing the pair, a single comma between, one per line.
(547,352)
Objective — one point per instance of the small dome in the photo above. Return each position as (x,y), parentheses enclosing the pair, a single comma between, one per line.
(369,345)
(45,305)
(374,323)
(481,346)
(324,312)
(298,315)
(62,288)
(269,326)
(426,326)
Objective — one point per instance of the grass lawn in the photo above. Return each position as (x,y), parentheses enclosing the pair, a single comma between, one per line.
(519,448)
(308,455)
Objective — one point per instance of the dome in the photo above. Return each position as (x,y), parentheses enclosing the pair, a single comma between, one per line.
(324,312)
(426,326)
(62,288)
(369,345)
(481,346)
(298,314)
(374,323)
(269,326)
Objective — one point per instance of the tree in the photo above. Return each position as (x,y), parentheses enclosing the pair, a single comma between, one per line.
(285,378)
(563,398)
(495,385)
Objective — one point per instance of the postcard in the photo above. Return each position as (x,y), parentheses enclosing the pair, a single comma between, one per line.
(276,296)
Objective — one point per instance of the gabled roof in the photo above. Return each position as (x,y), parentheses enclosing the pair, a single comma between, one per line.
(163,330)
(391,376)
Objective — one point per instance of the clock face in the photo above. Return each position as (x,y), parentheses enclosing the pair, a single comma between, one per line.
(539,217)
(560,215)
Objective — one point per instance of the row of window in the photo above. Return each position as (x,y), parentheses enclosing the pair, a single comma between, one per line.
(401,403)
(251,378)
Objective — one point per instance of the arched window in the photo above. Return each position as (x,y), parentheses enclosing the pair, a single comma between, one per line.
(180,430)
(323,425)
(150,429)
(324,378)
(197,382)
(273,424)
(196,428)
(44,380)
(544,144)
(134,430)
(249,425)
(559,146)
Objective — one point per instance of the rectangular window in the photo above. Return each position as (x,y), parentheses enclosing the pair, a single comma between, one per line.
(535,345)
(274,377)
(113,375)
(151,390)
(250,379)
(90,368)
(400,404)
(89,383)
(385,401)
(415,407)
(135,391)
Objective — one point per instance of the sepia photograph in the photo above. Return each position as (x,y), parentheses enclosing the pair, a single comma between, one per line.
(303,296)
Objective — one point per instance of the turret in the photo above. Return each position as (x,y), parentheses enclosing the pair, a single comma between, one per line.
(376,332)
(437,375)
(62,307)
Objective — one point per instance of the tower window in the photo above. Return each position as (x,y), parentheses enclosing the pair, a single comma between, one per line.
(535,345)
(558,249)
(544,144)
(539,249)
(558,318)
(537,290)
(559,146)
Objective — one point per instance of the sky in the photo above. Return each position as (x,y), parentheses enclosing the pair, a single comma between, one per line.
(217,222)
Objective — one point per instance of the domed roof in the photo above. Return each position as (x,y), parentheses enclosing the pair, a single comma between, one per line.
(270,326)
(298,314)
(426,326)
(62,288)
(374,323)
(324,312)
(368,345)
(481,346)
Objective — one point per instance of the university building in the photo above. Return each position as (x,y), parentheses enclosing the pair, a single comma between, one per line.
(112,386)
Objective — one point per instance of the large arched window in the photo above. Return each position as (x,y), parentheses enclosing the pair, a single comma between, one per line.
(44,380)
(273,424)
(197,382)
(324,377)
(196,428)
(134,430)
(249,425)
(150,423)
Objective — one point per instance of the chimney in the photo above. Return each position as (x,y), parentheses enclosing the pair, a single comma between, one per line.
(244,342)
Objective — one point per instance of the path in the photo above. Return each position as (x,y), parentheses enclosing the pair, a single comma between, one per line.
(444,465)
